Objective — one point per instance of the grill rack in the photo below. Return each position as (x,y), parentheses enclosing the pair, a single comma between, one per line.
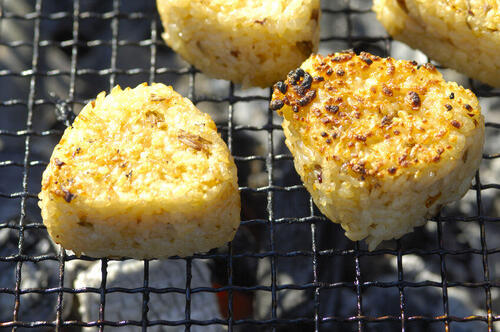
(360,320)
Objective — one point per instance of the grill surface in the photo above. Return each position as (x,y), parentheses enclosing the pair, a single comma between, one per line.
(161,68)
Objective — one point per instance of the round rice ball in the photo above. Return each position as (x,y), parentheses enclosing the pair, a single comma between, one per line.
(141,173)
(380,144)
(250,42)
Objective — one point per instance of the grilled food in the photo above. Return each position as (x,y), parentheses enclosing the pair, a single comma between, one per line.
(460,34)
(380,144)
(141,173)
(250,42)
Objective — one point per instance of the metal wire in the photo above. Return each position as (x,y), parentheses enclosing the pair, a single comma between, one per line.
(360,320)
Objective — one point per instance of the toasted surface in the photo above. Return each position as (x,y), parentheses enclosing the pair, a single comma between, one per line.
(141,173)
(250,42)
(460,34)
(380,144)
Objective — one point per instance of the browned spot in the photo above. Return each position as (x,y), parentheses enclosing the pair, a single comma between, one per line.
(68,196)
(235,53)
(366,58)
(154,117)
(77,151)
(58,163)
(276,104)
(92,103)
(455,124)
(315,14)
(319,173)
(468,107)
(431,200)
(413,99)
(429,66)
(157,98)
(340,72)
(194,141)
(448,107)
(359,168)
(343,57)
(361,138)
(305,47)
(466,154)
(84,223)
(387,91)
(261,22)
(332,108)
(392,170)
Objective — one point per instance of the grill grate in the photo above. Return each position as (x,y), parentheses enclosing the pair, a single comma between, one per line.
(23,223)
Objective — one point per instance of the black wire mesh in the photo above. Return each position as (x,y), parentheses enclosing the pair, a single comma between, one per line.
(23,223)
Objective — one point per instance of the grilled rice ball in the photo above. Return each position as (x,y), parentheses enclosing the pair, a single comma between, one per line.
(250,42)
(141,173)
(380,144)
(460,34)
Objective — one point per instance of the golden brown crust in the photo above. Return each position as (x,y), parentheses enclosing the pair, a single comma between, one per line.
(375,117)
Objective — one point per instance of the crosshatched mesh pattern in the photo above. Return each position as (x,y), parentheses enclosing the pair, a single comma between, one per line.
(55,57)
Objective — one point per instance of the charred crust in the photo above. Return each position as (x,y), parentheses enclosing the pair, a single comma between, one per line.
(276,104)
(342,57)
(295,108)
(307,98)
(332,108)
(366,58)
(296,75)
(281,86)
(452,95)
(305,85)
(414,99)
